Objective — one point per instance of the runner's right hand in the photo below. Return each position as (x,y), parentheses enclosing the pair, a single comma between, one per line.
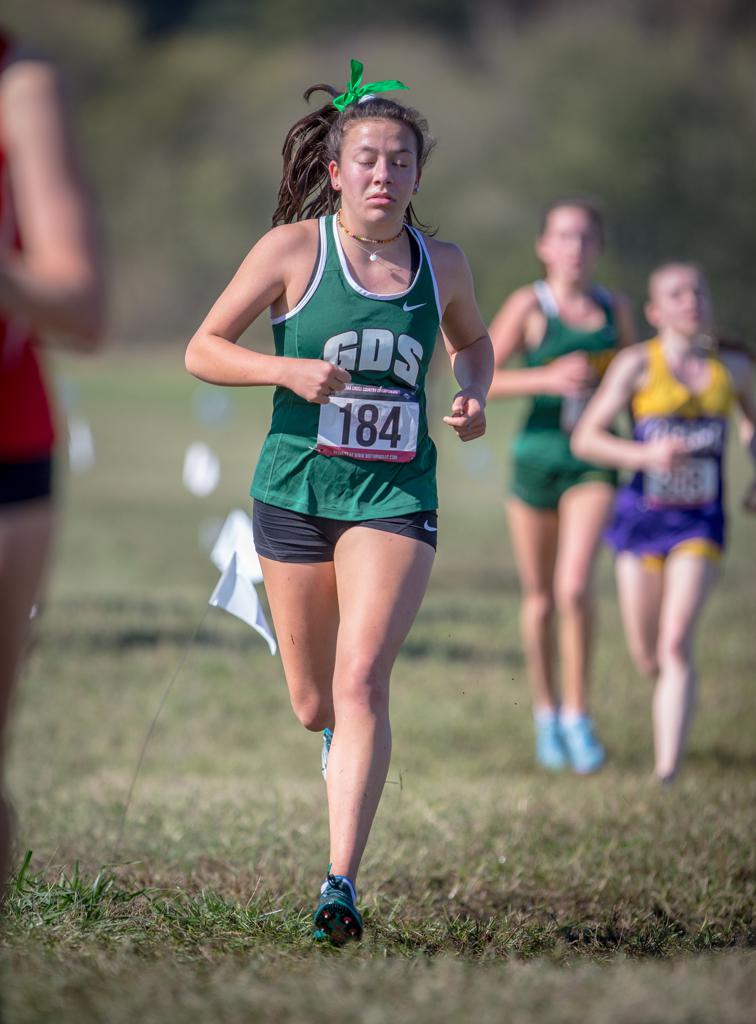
(570,375)
(664,454)
(315,380)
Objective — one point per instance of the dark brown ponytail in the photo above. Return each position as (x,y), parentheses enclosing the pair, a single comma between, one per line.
(316,139)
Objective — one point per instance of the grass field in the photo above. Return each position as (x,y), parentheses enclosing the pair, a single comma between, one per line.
(492,892)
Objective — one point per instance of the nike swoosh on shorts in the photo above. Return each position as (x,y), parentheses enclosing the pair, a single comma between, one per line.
(408,309)
(429,528)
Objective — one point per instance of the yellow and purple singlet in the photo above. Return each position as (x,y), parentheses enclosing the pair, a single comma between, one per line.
(659,511)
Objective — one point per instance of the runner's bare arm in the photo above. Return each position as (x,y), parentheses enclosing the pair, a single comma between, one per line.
(591,439)
(466,340)
(741,371)
(519,318)
(56,282)
(278,263)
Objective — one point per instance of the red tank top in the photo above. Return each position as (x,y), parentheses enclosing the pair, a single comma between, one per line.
(26,425)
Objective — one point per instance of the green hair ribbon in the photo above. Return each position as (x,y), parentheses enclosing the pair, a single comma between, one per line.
(355,92)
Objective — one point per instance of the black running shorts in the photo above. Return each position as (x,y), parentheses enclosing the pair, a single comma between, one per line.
(286,536)
(28,480)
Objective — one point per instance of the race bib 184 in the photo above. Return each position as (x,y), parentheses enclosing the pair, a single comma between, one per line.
(694,482)
(375,423)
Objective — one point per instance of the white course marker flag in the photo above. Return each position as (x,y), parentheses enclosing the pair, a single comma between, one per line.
(236,537)
(201,469)
(236,594)
(81,449)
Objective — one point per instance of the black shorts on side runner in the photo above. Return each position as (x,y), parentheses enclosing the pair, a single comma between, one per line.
(26,480)
(286,536)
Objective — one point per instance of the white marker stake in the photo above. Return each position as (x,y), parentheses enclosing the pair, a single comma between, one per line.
(81,450)
(236,538)
(235,594)
(201,469)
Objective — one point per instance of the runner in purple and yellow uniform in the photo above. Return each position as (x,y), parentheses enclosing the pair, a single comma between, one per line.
(669,523)
(345,488)
(567,330)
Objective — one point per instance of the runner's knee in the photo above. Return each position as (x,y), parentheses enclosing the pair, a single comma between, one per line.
(312,711)
(573,595)
(645,661)
(538,605)
(675,649)
(363,686)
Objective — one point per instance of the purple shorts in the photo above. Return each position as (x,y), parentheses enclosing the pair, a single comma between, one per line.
(644,529)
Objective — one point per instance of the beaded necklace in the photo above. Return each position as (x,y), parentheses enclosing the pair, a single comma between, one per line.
(372,256)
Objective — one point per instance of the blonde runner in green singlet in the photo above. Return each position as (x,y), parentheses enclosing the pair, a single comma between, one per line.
(544,466)
(566,330)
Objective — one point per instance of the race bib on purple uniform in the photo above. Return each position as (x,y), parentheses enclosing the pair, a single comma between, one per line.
(694,482)
(372,423)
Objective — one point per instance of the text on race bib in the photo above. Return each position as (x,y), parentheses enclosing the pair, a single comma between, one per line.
(694,482)
(372,423)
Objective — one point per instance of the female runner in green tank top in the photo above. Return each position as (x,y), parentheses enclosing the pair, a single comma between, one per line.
(567,330)
(344,490)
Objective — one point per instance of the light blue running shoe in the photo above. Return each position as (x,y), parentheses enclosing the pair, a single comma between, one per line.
(337,919)
(585,753)
(325,750)
(550,752)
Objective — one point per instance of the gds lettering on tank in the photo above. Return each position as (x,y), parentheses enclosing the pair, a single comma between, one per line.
(376,350)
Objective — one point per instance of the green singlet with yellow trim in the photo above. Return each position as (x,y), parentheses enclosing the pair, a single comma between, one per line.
(367,453)
(544,466)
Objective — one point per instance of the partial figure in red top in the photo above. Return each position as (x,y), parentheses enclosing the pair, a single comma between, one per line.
(50,281)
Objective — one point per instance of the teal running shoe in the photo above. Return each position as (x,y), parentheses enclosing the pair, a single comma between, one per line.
(337,920)
(550,752)
(325,750)
(585,753)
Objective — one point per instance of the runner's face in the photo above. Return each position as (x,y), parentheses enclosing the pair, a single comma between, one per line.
(376,173)
(569,245)
(679,301)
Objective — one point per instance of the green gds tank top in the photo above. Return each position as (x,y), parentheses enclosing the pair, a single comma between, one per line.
(367,453)
(544,439)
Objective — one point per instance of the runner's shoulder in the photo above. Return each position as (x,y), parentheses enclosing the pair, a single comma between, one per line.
(287,247)
(524,300)
(301,234)
(451,270)
(522,305)
(631,363)
(447,257)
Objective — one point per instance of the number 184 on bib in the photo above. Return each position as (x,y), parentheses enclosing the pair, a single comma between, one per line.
(370,423)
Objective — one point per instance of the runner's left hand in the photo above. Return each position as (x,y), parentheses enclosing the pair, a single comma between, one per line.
(468,416)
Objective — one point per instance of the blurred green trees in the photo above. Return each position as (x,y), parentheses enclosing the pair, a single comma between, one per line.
(184,105)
